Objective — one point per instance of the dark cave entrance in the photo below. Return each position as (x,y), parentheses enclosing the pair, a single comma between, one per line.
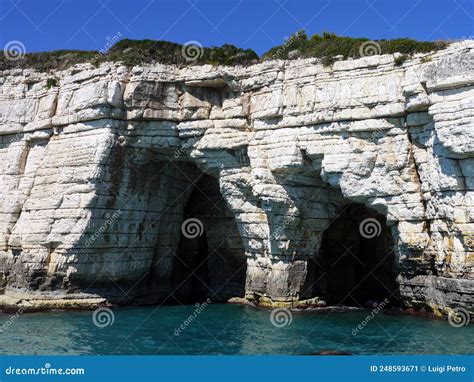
(190,273)
(356,264)
(210,258)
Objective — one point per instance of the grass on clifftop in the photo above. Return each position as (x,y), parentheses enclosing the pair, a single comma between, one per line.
(134,52)
(137,52)
(329,45)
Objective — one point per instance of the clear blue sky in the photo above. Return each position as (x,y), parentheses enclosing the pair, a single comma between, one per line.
(43,25)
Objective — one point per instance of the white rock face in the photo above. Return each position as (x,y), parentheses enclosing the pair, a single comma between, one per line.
(97,172)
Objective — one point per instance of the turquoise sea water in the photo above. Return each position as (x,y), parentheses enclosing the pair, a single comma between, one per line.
(227,329)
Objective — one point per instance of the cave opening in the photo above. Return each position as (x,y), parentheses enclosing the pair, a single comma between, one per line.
(356,263)
(210,261)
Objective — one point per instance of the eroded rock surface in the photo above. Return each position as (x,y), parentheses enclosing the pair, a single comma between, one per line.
(98,174)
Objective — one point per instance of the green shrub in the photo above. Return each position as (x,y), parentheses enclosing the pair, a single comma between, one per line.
(130,53)
(45,61)
(295,42)
(400,60)
(51,82)
(331,45)
(328,60)
(138,52)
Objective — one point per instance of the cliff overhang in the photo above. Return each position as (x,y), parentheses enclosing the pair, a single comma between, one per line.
(102,167)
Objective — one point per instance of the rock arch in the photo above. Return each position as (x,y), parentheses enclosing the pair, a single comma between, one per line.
(356,261)
(156,199)
(210,260)
(289,143)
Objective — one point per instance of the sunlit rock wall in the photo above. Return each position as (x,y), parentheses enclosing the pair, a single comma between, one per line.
(95,173)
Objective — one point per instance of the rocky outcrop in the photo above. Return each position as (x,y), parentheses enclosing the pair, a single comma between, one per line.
(279,165)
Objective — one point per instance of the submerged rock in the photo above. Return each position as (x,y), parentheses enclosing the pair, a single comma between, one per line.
(331,352)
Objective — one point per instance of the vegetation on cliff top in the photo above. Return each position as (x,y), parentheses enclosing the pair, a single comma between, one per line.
(136,52)
(329,45)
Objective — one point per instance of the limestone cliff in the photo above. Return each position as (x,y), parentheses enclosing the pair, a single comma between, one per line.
(279,165)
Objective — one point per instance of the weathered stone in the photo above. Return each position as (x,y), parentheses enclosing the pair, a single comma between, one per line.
(97,174)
